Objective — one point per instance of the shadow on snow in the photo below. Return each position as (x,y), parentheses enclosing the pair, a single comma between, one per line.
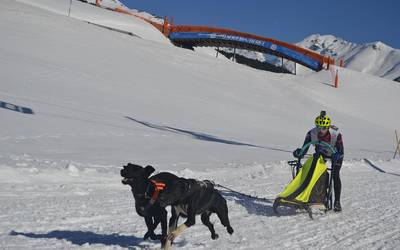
(196,135)
(80,238)
(200,135)
(379,169)
(258,206)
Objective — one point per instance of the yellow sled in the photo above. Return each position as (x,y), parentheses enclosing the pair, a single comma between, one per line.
(309,188)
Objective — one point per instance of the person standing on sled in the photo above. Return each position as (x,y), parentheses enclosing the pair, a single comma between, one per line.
(325,132)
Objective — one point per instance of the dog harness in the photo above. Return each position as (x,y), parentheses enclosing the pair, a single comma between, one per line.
(158,186)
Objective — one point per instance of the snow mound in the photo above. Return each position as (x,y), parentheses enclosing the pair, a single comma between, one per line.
(72,169)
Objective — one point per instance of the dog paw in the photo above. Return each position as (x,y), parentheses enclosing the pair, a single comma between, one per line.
(163,241)
(150,235)
(215,236)
(229,229)
(171,236)
(161,237)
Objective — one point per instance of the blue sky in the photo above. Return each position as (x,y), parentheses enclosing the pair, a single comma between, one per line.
(359,21)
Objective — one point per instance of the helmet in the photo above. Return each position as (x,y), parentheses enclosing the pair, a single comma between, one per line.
(323,120)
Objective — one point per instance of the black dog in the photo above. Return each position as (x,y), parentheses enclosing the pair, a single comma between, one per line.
(189,197)
(141,185)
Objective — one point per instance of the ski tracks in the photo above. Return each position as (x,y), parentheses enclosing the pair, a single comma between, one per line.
(71,208)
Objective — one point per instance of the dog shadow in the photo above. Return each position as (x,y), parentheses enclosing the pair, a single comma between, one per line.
(84,237)
(258,206)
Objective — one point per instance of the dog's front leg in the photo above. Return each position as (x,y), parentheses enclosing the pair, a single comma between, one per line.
(150,228)
(191,220)
(163,219)
(172,235)
(173,221)
(173,230)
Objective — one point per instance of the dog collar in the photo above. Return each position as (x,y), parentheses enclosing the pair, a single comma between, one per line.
(158,186)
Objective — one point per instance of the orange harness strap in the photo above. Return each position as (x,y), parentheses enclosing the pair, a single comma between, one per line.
(158,186)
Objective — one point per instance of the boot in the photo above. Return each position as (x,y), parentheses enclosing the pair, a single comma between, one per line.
(337,207)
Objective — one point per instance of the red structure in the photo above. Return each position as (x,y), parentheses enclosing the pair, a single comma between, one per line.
(167,29)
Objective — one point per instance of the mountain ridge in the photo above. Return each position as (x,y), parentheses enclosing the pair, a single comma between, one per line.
(376,58)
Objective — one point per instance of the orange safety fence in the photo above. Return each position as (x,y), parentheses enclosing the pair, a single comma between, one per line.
(159,26)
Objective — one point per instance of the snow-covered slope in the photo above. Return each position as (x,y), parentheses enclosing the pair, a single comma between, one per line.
(104,17)
(373,58)
(177,89)
(73,112)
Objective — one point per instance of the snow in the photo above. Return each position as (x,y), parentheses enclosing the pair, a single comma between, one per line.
(100,99)
(104,17)
(108,3)
(374,58)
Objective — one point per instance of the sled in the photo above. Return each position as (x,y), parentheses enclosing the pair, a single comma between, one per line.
(311,186)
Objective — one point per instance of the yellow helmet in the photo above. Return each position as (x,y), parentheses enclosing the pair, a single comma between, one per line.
(323,120)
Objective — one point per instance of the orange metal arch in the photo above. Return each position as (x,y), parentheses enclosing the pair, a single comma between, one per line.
(166,28)
(307,52)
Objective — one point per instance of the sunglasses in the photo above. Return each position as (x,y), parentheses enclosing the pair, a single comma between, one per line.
(322,128)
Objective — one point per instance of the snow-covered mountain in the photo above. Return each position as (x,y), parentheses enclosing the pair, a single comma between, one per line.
(78,101)
(373,58)
(107,3)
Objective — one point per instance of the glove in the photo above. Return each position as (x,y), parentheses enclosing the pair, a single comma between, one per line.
(297,153)
(337,157)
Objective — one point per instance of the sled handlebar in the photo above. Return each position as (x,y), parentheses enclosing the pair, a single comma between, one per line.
(322,143)
(296,164)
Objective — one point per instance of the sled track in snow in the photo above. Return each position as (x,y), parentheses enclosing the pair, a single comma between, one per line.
(93,210)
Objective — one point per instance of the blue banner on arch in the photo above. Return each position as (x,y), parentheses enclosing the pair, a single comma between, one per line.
(284,51)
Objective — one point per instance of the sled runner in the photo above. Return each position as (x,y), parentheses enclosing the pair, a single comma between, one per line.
(311,187)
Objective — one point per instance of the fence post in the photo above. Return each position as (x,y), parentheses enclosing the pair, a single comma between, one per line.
(165,26)
(329,63)
(337,79)
(69,10)
(397,146)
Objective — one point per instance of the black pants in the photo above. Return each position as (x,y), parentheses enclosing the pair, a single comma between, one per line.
(337,184)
